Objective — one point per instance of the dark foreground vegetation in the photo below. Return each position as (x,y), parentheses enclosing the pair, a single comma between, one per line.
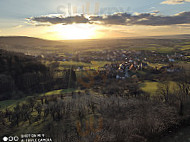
(88,115)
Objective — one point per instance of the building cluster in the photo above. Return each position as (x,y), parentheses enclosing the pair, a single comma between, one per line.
(125,69)
(124,63)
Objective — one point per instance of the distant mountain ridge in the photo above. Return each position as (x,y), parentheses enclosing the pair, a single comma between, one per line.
(181,36)
(33,40)
(27,41)
(37,46)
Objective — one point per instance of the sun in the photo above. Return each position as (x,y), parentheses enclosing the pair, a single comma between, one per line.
(74,31)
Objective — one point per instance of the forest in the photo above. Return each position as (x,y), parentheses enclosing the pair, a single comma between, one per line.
(22,75)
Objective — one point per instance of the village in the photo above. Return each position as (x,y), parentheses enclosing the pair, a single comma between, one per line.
(119,63)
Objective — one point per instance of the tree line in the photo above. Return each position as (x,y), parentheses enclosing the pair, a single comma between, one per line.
(22,75)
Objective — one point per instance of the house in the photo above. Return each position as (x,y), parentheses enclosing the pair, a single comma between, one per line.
(127,72)
(170,69)
(120,75)
(171,60)
(132,67)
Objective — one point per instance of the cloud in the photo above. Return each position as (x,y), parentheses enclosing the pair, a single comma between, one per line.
(59,19)
(173,2)
(181,18)
(144,19)
(151,19)
(115,19)
(18,26)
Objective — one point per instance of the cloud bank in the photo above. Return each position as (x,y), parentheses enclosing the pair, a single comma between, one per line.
(59,19)
(151,19)
(173,2)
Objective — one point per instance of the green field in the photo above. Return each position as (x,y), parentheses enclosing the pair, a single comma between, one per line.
(156,65)
(58,92)
(97,64)
(73,63)
(154,48)
(152,87)
(93,65)
(185,47)
(7,103)
(12,103)
(149,87)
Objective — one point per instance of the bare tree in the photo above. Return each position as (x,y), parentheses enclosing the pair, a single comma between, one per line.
(163,90)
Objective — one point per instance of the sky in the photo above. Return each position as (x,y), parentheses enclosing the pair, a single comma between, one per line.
(86,19)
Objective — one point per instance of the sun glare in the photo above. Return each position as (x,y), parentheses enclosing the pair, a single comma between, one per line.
(75,31)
